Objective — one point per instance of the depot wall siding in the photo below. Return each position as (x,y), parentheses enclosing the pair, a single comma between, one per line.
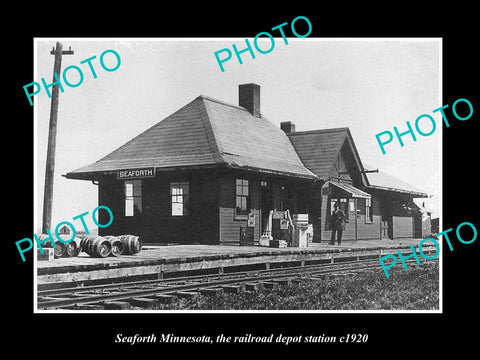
(203,222)
(368,230)
(211,218)
(402,227)
(156,224)
(110,193)
(229,224)
(356,228)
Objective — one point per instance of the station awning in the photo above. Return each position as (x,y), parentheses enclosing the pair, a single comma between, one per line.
(351,190)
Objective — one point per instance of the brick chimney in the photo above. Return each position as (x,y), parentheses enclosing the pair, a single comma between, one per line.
(288,127)
(249,98)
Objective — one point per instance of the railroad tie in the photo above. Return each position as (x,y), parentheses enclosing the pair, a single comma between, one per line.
(296,281)
(233,289)
(143,302)
(186,294)
(283,282)
(211,291)
(253,286)
(320,277)
(164,298)
(117,305)
(270,285)
(83,307)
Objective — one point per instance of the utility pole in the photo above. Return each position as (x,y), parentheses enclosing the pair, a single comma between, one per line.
(52,139)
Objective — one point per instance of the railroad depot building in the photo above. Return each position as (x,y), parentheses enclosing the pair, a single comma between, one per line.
(208,170)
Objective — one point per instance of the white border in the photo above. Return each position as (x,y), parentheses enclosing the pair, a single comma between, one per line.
(35,74)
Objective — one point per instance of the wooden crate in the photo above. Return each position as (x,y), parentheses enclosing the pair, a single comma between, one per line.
(48,254)
(247,236)
(278,243)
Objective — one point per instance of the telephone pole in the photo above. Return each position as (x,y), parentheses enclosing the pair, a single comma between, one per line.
(52,135)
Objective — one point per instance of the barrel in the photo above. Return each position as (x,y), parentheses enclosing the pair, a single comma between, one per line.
(86,243)
(72,248)
(82,244)
(59,247)
(117,245)
(132,244)
(96,246)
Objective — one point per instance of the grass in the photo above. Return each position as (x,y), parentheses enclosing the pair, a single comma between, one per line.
(415,289)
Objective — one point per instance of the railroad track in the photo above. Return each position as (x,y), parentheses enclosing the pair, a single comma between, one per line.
(147,293)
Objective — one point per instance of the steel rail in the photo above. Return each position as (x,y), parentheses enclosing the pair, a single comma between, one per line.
(205,277)
(157,287)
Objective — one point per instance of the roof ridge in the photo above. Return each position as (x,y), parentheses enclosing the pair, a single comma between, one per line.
(209,132)
(306,132)
(209,98)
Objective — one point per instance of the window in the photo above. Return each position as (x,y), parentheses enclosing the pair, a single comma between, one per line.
(351,203)
(133,197)
(241,197)
(179,192)
(368,210)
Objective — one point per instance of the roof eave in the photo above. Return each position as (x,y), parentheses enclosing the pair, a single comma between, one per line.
(400,191)
(89,176)
(95,175)
(275,172)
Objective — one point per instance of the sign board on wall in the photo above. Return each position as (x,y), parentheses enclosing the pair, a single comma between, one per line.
(139,173)
(251,220)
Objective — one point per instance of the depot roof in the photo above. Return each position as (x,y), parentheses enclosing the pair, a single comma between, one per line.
(385,182)
(318,149)
(204,133)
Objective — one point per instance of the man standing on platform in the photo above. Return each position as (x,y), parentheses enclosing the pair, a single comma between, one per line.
(338,224)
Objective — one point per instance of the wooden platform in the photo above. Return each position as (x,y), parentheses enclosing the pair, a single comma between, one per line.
(159,261)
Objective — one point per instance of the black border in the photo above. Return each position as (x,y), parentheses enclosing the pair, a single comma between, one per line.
(406,334)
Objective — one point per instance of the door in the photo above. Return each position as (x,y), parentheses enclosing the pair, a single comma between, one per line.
(266,203)
(386,228)
(352,215)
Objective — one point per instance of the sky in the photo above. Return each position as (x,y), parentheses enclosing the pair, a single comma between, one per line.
(367,85)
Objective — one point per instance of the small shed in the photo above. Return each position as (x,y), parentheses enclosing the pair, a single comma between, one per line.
(64,230)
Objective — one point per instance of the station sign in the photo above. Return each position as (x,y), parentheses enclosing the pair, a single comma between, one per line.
(139,173)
